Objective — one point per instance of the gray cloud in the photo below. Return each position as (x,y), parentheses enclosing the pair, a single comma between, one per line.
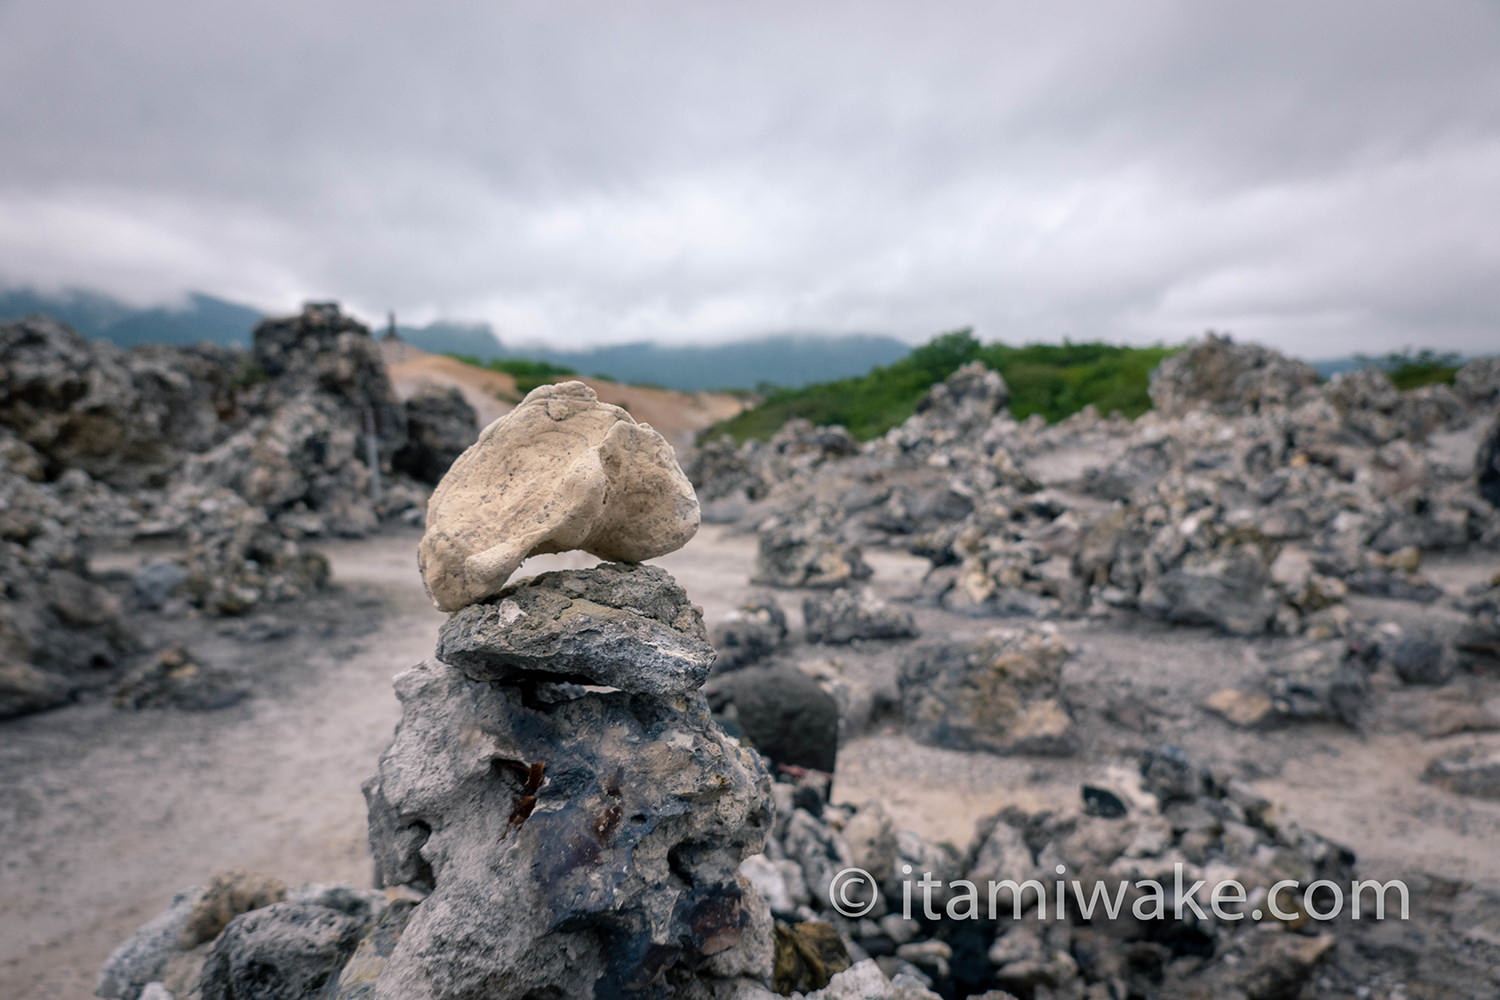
(1320,177)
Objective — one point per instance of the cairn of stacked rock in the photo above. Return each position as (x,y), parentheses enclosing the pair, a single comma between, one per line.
(557,786)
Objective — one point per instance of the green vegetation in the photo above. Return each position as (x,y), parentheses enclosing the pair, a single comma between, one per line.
(1410,369)
(527,373)
(1053,380)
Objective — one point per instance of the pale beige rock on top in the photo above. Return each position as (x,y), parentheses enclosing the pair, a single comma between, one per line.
(561,471)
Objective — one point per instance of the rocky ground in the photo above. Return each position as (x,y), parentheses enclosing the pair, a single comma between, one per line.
(1260,626)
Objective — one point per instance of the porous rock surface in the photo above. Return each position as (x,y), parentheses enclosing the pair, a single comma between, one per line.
(561,471)
(626,627)
(586,845)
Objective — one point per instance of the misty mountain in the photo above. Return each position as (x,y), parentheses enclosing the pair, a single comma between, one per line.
(784,359)
(99,317)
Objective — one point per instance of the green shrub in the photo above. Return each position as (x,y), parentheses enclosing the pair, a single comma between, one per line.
(1054,380)
(1410,369)
(527,372)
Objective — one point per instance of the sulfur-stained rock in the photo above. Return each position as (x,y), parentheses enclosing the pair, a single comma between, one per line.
(561,471)
(627,627)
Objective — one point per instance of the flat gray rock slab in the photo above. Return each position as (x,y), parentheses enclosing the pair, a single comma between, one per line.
(621,626)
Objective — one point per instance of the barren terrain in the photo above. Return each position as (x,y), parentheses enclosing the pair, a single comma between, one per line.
(107,813)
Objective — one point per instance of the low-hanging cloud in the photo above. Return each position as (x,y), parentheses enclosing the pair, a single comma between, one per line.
(1319,177)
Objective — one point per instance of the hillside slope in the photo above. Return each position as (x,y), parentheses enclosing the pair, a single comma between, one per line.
(678,415)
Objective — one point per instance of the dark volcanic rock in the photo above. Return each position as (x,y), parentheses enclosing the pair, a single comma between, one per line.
(578,847)
(285,951)
(1487,464)
(124,418)
(845,615)
(751,632)
(322,352)
(623,626)
(60,631)
(806,555)
(1218,375)
(175,679)
(998,692)
(1470,771)
(783,712)
(440,424)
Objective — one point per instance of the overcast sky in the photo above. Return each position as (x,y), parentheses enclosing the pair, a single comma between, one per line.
(1322,177)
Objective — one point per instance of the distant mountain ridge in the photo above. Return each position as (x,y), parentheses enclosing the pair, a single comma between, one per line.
(782,359)
(100,317)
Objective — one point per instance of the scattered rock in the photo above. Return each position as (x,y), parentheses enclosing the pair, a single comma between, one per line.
(748,634)
(1487,465)
(843,616)
(803,555)
(1470,771)
(440,426)
(284,951)
(1223,377)
(783,713)
(808,955)
(175,679)
(999,692)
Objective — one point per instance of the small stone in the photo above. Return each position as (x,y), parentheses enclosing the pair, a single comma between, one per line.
(1470,771)
(844,616)
(1246,709)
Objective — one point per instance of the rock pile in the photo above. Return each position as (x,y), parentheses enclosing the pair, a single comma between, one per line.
(1252,500)
(557,800)
(240,456)
(1230,379)
(60,632)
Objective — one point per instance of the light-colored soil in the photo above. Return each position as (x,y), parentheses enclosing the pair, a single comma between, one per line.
(104,814)
(677,415)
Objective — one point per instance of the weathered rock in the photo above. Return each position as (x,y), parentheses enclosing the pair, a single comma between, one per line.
(1219,375)
(284,951)
(175,679)
(846,615)
(440,425)
(60,631)
(804,555)
(1478,382)
(323,353)
(143,958)
(358,978)
(1470,771)
(122,418)
(561,471)
(1479,639)
(238,558)
(999,692)
(227,896)
(1487,464)
(808,955)
(1231,592)
(307,455)
(602,831)
(749,633)
(783,712)
(966,401)
(626,627)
